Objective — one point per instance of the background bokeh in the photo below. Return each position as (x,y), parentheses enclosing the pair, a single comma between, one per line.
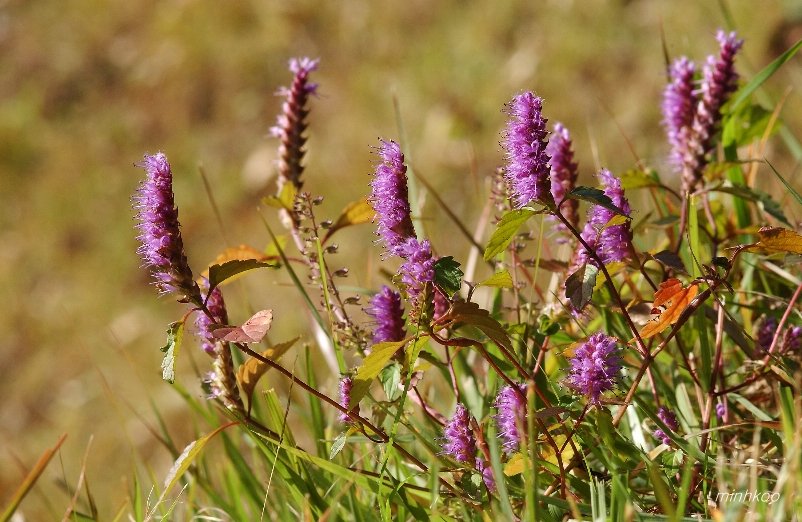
(88,86)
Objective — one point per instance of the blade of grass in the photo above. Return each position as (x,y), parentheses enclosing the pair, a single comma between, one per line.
(30,479)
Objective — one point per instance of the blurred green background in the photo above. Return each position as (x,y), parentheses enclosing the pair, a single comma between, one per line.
(88,86)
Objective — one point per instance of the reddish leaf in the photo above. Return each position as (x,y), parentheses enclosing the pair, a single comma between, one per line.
(675,299)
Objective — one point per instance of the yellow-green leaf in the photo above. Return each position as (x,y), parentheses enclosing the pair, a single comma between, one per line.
(355,213)
(371,367)
(775,240)
(505,230)
(284,200)
(249,373)
(514,466)
(501,279)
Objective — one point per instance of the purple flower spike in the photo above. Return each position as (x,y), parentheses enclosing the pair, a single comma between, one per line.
(345,398)
(563,174)
(792,339)
(511,416)
(162,248)
(487,474)
(458,439)
(390,198)
(670,420)
(614,243)
(679,104)
(527,169)
(719,80)
(765,333)
(203,323)
(291,123)
(387,310)
(418,269)
(595,367)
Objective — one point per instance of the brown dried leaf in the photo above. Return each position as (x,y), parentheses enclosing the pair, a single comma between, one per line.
(470,313)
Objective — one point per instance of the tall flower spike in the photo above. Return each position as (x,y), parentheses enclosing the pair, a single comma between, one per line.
(390,198)
(510,417)
(563,174)
(418,269)
(765,333)
(458,439)
(203,323)
(614,243)
(162,248)
(291,123)
(595,367)
(670,420)
(386,308)
(719,80)
(527,168)
(679,104)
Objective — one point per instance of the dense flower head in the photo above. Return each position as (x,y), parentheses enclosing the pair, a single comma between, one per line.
(721,410)
(792,339)
(595,367)
(441,305)
(679,105)
(563,173)
(670,420)
(203,323)
(719,80)
(614,243)
(346,384)
(388,311)
(527,166)
(511,416)
(390,198)
(291,122)
(458,439)
(418,267)
(162,247)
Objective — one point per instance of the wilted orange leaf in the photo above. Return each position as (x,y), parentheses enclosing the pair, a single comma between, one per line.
(774,240)
(675,298)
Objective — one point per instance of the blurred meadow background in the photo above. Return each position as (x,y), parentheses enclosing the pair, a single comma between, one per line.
(88,86)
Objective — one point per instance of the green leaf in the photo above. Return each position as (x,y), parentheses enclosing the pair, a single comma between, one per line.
(175,334)
(338,445)
(746,91)
(595,196)
(579,286)
(790,189)
(501,279)
(284,200)
(633,179)
(390,377)
(765,201)
(371,367)
(447,275)
(470,314)
(746,125)
(505,231)
(219,273)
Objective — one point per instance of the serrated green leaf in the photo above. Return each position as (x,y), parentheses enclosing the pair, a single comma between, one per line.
(501,279)
(595,196)
(219,273)
(505,231)
(447,275)
(579,286)
(470,314)
(175,335)
(380,354)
